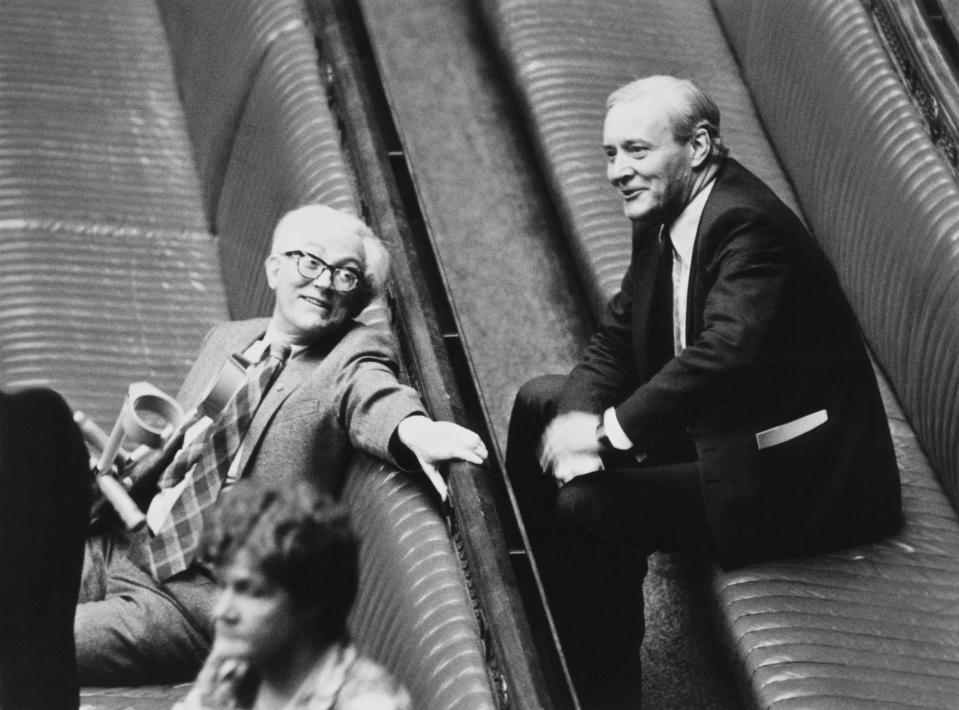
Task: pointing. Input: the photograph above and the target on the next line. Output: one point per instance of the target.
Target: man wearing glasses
(145, 604)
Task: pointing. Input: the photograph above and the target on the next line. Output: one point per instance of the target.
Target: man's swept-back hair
(317, 218)
(296, 536)
(690, 108)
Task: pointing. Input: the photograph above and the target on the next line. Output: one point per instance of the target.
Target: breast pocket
(784, 433)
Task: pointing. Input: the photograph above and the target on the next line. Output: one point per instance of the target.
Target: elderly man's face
(307, 309)
(653, 173)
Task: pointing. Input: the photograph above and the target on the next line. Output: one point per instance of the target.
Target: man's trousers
(131, 629)
(590, 539)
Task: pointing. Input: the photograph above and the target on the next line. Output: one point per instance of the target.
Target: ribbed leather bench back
(877, 193)
(89, 308)
(217, 47)
(413, 612)
(91, 124)
(566, 57)
(107, 271)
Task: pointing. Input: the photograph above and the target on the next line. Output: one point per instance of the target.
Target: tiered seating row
(89, 307)
(107, 270)
(91, 123)
(140, 180)
(886, 208)
(432, 645)
(868, 627)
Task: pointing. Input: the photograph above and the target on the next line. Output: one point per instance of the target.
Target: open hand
(434, 443)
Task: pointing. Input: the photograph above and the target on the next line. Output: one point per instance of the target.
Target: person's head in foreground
(286, 563)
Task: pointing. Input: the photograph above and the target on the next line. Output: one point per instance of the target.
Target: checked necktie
(175, 544)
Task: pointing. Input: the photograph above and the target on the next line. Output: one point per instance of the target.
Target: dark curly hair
(297, 537)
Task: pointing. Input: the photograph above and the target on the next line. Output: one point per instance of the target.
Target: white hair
(689, 107)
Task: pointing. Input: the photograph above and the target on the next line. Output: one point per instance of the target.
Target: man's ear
(272, 268)
(700, 146)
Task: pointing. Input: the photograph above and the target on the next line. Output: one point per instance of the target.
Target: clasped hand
(569, 446)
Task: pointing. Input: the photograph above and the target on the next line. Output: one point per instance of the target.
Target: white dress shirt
(682, 233)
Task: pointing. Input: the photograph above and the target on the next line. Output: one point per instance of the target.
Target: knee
(541, 390)
(134, 639)
(533, 408)
(577, 509)
(537, 399)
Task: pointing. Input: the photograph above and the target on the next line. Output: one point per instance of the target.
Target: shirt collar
(272, 335)
(683, 230)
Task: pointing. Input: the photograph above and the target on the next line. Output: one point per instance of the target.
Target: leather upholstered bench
(875, 626)
(811, 103)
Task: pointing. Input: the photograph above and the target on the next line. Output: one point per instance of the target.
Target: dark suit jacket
(770, 338)
(338, 395)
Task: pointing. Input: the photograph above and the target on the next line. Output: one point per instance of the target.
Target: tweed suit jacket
(770, 338)
(338, 395)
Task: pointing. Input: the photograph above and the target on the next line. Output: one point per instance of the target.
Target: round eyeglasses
(342, 278)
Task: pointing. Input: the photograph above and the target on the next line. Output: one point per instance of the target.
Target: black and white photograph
(479, 354)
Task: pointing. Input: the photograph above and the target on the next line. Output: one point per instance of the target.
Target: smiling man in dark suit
(726, 405)
(325, 387)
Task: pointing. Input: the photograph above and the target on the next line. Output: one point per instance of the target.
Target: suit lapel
(717, 202)
(223, 342)
(296, 372)
(695, 295)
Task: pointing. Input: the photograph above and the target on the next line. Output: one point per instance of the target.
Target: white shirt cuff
(614, 432)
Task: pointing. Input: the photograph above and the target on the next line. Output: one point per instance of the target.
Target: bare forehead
(334, 243)
(644, 118)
